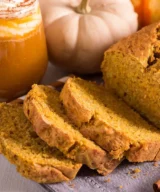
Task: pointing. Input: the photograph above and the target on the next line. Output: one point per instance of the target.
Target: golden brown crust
(42, 174)
(157, 157)
(36, 172)
(85, 152)
(139, 45)
(144, 152)
(94, 127)
(47, 131)
(73, 107)
(115, 142)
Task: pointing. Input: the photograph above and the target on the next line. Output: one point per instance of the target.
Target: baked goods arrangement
(51, 134)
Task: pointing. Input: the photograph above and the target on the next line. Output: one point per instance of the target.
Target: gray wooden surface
(121, 179)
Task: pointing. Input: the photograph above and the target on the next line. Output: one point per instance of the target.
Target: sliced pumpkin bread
(43, 108)
(108, 121)
(32, 156)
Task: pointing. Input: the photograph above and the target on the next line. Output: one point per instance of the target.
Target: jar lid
(17, 8)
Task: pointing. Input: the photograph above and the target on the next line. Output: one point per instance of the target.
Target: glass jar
(23, 52)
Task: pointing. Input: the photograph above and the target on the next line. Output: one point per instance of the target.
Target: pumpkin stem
(84, 7)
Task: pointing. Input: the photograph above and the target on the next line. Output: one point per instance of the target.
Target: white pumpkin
(78, 31)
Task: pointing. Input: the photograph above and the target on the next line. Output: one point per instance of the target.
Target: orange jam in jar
(23, 52)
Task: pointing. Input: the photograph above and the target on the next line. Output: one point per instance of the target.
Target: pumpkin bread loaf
(43, 108)
(131, 68)
(32, 156)
(108, 121)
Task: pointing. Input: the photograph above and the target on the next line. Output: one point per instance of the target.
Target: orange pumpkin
(148, 11)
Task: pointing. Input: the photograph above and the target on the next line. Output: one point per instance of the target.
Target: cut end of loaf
(131, 69)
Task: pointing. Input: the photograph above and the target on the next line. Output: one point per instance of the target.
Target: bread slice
(131, 68)
(32, 156)
(109, 122)
(43, 108)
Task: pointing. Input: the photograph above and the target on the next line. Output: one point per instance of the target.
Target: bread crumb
(107, 180)
(155, 164)
(121, 186)
(137, 170)
(133, 172)
(134, 176)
